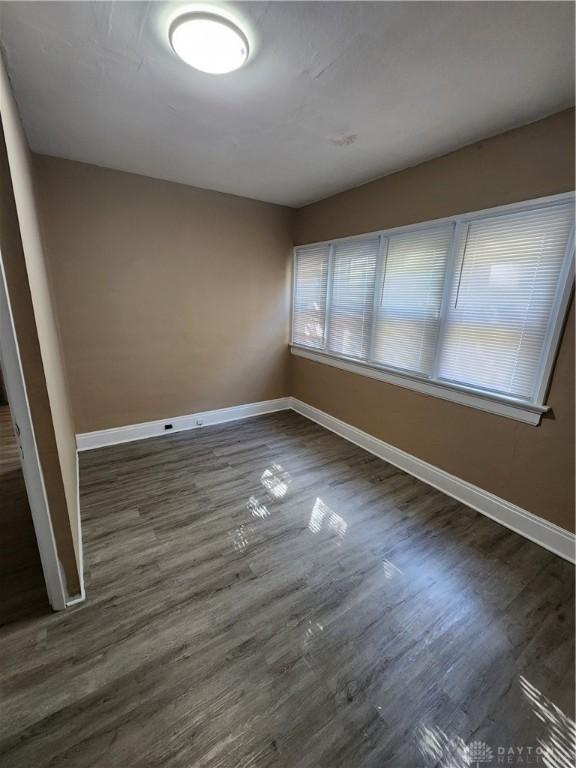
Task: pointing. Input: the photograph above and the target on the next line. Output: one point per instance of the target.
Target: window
(501, 300)
(469, 304)
(352, 296)
(310, 284)
(408, 313)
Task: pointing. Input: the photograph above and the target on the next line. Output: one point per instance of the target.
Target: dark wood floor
(266, 594)
(22, 589)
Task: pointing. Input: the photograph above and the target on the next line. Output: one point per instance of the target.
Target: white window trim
(503, 406)
(520, 410)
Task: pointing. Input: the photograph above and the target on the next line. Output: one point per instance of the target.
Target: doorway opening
(22, 587)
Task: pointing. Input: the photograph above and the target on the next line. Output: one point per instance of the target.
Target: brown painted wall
(19, 159)
(171, 299)
(529, 466)
(20, 297)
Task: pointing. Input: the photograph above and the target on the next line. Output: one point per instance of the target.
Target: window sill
(501, 406)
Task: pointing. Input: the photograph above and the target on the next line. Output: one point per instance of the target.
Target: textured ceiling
(335, 94)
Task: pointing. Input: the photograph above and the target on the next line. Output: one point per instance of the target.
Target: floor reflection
(276, 480)
(390, 569)
(559, 744)
(256, 508)
(555, 749)
(313, 630)
(440, 749)
(324, 517)
(240, 537)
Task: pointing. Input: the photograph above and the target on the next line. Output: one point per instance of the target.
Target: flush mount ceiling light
(209, 43)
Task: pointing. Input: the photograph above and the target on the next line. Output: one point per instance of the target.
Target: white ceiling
(335, 93)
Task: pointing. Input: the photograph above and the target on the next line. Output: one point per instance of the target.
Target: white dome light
(209, 43)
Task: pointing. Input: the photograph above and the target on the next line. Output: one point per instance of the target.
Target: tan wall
(37, 338)
(171, 299)
(174, 300)
(530, 466)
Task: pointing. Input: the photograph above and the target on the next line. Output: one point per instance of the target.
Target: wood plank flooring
(267, 594)
(22, 589)
(9, 452)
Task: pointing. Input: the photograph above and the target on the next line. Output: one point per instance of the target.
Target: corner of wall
(20, 164)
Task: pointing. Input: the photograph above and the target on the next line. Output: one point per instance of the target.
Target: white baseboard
(75, 599)
(103, 437)
(532, 527)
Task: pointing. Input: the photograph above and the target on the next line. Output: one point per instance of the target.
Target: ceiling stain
(344, 141)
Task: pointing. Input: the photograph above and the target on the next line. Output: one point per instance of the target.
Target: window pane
(501, 299)
(310, 283)
(352, 296)
(408, 315)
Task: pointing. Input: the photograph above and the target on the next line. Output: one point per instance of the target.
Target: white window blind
(502, 296)
(471, 303)
(408, 313)
(310, 286)
(352, 296)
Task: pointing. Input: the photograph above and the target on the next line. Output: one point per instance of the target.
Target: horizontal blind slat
(406, 326)
(497, 315)
(352, 296)
(310, 287)
(501, 299)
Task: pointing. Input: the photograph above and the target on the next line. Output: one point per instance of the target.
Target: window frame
(529, 411)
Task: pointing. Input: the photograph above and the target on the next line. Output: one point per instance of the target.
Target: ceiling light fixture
(209, 43)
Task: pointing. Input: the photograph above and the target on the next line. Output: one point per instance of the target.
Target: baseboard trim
(75, 599)
(532, 527)
(89, 440)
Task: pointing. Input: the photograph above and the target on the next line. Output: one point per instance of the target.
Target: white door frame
(29, 458)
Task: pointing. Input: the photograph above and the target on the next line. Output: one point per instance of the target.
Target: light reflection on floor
(440, 749)
(240, 537)
(437, 747)
(313, 630)
(390, 569)
(324, 517)
(559, 744)
(276, 480)
(256, 508)
(556, 749)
